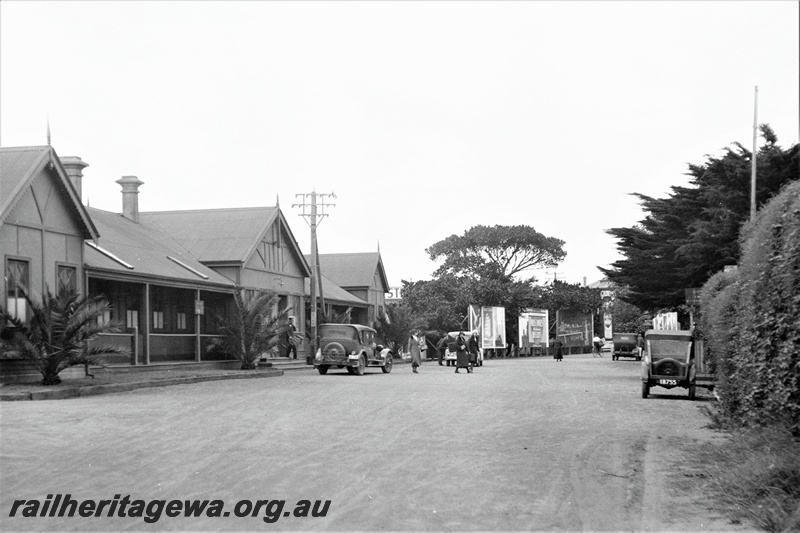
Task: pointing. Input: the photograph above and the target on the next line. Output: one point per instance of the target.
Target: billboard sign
(533, 328)
(574, 327)
(493, 330)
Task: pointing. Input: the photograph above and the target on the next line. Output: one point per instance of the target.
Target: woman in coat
(473, 346)
(557, 353)
(462, 356)
(416, 353)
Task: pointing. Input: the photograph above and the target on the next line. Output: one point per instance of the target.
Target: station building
(169, 276)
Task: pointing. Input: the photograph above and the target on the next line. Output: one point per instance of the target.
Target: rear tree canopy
(497, 252)
(694, 232)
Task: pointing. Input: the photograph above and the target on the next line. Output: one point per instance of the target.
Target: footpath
(109, 381)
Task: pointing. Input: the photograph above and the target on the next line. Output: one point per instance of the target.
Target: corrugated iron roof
(335, 294)
(215, 235)
(148, 249)
(19, 166)
(352, 269)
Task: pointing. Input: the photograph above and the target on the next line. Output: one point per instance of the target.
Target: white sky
(425, 118)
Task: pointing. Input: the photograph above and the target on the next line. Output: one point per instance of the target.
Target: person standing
(290, 333)
(473, 347)
(639, 346)
(416, 354)
(558, 354)
(462, 356)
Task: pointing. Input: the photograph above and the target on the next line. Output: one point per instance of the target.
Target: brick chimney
(74, 167)
(130, 197)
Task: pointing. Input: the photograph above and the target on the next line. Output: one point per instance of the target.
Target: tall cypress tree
(694, 232)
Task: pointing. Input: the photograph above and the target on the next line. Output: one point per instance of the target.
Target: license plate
(667, 381)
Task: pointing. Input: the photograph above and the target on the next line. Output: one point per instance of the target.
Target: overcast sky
(425, 118)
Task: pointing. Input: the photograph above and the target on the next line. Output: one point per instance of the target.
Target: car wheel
(645, 389)
(322, 369)
(362, 364)
(387, 366)
(692, 391)
(351, 370)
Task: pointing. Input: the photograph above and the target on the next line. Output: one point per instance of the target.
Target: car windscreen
(672, 348)
(338, 332)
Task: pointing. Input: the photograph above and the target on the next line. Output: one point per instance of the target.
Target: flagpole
(753, 160)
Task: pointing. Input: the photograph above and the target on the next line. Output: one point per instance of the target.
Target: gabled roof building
(363, 276)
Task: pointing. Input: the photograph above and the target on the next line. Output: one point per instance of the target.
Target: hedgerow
(751, 319)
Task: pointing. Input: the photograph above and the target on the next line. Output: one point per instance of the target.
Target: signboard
(574, 327)
(493, 330)
(393, 294)
(533, 328)
(475, 318)
(608, 330)
(199, 307)
(692, 296)
(666, 321)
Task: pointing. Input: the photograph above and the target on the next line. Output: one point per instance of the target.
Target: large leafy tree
(496, 252)
(694, 232)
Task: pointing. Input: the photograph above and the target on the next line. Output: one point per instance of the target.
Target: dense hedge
(751, 319)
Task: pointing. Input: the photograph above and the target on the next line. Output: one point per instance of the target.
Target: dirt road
(519, 445)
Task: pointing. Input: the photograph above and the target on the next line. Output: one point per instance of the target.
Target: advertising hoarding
(533, 328)
(493, 330)
(574, 328)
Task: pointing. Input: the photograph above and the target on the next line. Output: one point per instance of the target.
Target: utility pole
(753, 161)
(313, 206)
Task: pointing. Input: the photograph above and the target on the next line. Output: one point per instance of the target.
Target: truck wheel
(362, 364)
(387, 366)
(645, 389)
(322, 369)
(692, 391)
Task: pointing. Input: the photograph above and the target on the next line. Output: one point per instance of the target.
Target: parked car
(350, 346)
(450, 350)
(625, 346)
(668, 361)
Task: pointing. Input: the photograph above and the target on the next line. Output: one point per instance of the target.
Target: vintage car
(625, 346)
(450, 348)
(350, 346)
(668, 361)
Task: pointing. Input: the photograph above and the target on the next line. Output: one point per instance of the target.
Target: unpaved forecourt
(519, 445)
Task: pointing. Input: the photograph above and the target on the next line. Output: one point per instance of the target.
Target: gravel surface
(519, 445)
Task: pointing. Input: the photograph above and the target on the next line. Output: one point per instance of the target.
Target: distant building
(363, 276)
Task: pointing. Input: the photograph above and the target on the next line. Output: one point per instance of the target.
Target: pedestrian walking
(462, 356)
(557, 350)
(597, 346)
(639, 346)
(473, 346)
(416, 353)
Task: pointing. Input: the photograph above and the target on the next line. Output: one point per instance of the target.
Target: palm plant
(58, 333)
(397, 329)
(254, 328)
